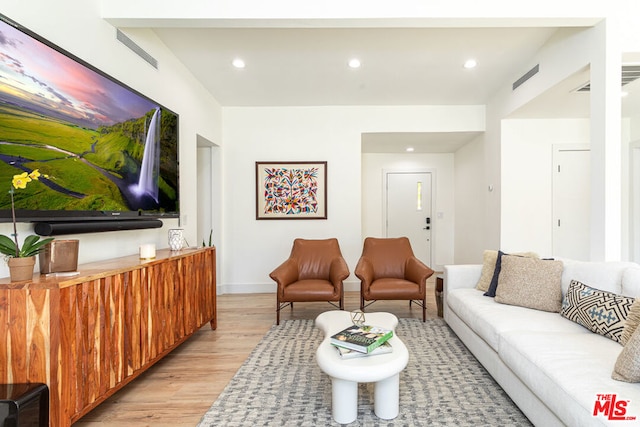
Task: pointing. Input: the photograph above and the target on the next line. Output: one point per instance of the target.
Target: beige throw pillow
(530, 282)
(627, 366)
(489, 259)
(633, 319)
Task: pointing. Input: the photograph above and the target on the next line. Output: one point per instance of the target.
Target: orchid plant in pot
(21, 259)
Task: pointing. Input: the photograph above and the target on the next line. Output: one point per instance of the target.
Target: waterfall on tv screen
(148, 181)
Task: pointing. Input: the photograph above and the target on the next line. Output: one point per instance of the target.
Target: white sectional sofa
(552, 368)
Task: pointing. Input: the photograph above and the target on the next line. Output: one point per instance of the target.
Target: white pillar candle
(147, 251)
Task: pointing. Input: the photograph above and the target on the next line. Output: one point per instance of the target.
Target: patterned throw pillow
(602, 312)
(627, 366)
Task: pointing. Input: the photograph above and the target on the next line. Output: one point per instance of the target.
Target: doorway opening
(209, 190)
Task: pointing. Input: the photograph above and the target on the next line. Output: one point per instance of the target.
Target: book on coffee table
(347, 353)
(362, 338)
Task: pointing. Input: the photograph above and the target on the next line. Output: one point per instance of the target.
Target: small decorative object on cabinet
(21, 268)
(147, 251)
(59, 256)
(176, 239)
(32, 245)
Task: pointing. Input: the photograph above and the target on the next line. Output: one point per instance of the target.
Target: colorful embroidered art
(291, 190)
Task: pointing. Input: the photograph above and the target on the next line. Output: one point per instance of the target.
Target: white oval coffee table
(383, 369)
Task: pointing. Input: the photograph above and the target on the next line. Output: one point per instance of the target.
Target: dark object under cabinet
(24, 405)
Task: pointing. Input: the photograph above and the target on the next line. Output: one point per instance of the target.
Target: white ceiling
(421, 142)
(400, 66)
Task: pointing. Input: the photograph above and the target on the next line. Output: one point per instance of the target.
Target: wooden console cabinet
(88, 335)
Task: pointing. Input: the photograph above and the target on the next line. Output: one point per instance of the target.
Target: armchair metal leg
(280, 306)
(424, 309)
(423, 304)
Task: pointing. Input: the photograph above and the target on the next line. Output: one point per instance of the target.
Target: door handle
(427, 228)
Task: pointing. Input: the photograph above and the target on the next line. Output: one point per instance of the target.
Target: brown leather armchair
(314, 271)
(388, 270)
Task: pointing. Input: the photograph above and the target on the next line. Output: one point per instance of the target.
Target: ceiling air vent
(136, 49)
(629, 73)
(532, 72)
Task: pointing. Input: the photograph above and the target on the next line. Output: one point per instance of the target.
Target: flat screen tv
(103, 150)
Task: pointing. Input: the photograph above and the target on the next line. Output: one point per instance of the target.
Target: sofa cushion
(602, 312)
(489, 319)
(606, 275)
(489, 259)
(567, 371)
(631, 282)
(530, 282)
(627, 367)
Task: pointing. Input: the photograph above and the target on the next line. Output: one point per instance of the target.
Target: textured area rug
(443, 384)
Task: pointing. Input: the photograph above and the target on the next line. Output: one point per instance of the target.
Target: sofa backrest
(631, 281)
(607, 276)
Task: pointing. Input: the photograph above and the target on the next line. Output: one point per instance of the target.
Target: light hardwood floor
(179, 389)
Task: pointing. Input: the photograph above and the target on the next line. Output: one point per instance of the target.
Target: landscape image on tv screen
(98, 145)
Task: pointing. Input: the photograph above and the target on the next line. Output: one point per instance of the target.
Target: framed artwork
(291, 190)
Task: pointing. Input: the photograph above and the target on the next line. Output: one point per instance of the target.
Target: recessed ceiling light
(354, 63)
(470, 63)
(238, 63)
(409, 149)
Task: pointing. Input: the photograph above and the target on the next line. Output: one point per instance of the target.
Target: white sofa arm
(461, 276)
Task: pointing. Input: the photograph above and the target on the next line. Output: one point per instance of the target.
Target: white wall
(441, 166)
(568, 52)
(563, 55)
(253, 248)
(471, 192)
(527, 163)
(76, 26)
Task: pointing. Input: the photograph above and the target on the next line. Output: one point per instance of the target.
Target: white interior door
(408, 210)
(572, 204)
